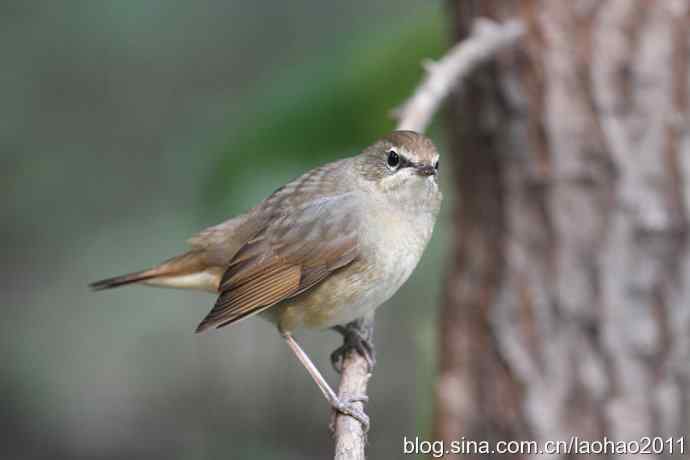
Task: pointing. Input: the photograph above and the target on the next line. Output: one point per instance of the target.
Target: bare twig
(350, 437)
(487, 39)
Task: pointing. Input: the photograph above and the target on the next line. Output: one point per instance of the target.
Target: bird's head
(404, 167)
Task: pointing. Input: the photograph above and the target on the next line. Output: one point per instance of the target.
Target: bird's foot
(346, 406)
(352, 340)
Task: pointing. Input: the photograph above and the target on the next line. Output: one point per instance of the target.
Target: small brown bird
(321, 251)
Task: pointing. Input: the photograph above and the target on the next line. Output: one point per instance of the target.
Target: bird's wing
(300, 245)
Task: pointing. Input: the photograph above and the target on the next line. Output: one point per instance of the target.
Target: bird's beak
(425, 170)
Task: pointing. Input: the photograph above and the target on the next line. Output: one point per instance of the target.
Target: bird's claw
(352, 340)
(346, 406)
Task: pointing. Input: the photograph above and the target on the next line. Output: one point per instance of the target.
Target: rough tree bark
(567, 305)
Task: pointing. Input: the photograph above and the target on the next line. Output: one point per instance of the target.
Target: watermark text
(573, 446)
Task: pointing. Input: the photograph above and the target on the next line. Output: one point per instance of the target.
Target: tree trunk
(567, 305)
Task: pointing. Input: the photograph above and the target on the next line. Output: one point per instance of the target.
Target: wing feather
(299, 247)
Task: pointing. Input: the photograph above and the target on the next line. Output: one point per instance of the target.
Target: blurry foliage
(329, 106)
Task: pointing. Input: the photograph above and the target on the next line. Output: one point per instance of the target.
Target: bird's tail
(123, 280)
(188, 270)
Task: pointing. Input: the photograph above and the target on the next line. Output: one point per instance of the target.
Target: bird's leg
(344, 406)
(354, 338)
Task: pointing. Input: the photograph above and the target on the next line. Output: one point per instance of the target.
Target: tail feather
(176, 272)
(123, 280)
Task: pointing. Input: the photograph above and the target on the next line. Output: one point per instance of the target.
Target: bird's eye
(393, 159)
(436, 165)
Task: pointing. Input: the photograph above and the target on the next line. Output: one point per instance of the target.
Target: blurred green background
(128, 126)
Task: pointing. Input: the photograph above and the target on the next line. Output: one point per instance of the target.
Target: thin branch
(350, 437)
(487, 39)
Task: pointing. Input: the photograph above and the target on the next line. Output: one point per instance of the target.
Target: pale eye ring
(393, 160)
